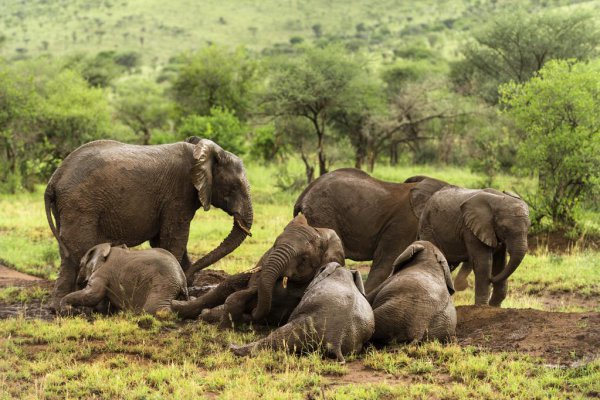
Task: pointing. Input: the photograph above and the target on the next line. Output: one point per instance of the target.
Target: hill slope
(160, 29)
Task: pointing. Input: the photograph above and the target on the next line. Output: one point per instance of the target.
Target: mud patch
(206, 280)
(10, 277)
(559, 338)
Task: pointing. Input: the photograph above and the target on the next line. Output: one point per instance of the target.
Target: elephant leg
(384, 257)
(173, 237)
(212, 315)
(291, 337)
(186, 263)
(482, 266)
(65, 282)
(443, 324)
(88, 297)
(236, 305)
(214, 298)
(460, 281)
(500, 289)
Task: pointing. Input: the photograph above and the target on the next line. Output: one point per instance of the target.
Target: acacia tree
(558, 116)
(141, 105)
(215, 77)
(315, 86)
(516, 45)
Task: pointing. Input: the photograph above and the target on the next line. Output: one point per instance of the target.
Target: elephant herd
(108, 196)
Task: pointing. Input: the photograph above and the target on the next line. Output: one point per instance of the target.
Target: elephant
(272, 291)
(481, 227)
(375, 219)
(110, 192)
(414, 303)
(333, 315)
(141, 281)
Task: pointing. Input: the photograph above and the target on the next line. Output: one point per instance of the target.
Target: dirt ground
(559, 338)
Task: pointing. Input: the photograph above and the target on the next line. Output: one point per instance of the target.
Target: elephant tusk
(284, 283)
(242, 227)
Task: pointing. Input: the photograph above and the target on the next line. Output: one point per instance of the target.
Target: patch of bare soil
(559, 338)
(10, 277)
(35, 309)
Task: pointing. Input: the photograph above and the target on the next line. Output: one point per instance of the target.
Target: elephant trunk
(516, 248)
(272, 270)
(242, 222)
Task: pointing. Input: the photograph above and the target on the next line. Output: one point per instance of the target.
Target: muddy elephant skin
(333, 316)
(136, 280)
(271, 293)
(479, 227)
(110, 192)
(414, 304)
(376, 220)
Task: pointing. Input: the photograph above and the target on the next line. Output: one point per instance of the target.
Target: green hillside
(160, 29)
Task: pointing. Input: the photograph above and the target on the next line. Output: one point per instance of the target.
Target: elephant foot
(496, 302)
(460, 284)
(241, 351)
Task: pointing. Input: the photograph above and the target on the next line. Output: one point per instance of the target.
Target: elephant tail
(51, 209)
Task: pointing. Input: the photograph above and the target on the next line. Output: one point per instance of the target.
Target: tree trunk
(145, 136)
(394, 153)
(322, 159)
(310, 170)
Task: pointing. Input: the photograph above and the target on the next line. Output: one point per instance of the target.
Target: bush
(558, 114)
(221, 126)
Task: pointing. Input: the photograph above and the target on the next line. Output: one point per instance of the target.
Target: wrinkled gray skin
(141, 281)
(333, 315)
(481, 227)
(110, 192)
(375, 219)
(414, 303)
(297, 254)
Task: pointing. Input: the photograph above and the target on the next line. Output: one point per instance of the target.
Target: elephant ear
(478, 216)
(406, 256)
(446, 268)
(331, 247)
(206, 154)
(92, 260)
(358, 281)
(422, 192)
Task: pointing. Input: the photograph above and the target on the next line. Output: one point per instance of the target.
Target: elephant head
(220, 179)
(495, 217)
(426, 250)
(93, 259)
(298, 252)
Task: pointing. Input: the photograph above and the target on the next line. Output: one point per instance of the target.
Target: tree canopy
(558, 116)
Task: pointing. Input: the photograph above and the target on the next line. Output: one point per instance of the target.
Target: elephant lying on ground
(478, 226)
(110, 192)
(375, 219)
(333, 315)
(141, 281)
(272, 292)
(414, 303)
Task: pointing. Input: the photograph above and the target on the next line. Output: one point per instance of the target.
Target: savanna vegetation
(478, 93)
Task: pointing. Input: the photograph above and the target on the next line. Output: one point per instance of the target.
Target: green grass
(114, 358)
(127, 356)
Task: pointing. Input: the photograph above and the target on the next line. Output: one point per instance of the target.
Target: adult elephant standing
(478, 226)
(376, 220)
(110, 192)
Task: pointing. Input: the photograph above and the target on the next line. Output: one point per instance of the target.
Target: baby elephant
(333, 315)
(413, 304)
(142, 280)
